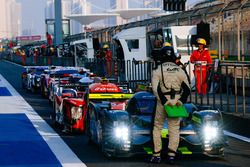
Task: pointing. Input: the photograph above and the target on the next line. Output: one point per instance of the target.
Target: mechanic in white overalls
(170, 86)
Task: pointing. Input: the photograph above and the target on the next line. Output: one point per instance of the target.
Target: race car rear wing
(110, 96)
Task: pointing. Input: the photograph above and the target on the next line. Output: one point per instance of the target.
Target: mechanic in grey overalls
(170, 86)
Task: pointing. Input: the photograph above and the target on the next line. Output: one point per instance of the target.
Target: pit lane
(237, 154)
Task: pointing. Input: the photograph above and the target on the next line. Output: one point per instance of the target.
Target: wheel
(33, 89)
(88, 132)
(103, 144)
(23, 84)
(53, 113)
(42, 89)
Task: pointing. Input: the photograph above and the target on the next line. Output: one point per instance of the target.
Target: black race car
(126, 132)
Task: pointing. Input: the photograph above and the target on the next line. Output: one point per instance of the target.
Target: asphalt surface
(236, 154)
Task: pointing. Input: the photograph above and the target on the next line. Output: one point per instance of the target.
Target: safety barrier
(133, 72)
(40, 60)
(228, 86)
(228, 83)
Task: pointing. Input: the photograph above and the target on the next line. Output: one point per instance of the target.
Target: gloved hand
(174, 102)
(171, 102)
(179, 103)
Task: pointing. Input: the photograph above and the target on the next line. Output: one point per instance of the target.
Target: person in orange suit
(108, 58)
(49, 39)
(202, 60)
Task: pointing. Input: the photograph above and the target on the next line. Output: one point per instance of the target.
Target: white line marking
(16, 104)
(243, 138)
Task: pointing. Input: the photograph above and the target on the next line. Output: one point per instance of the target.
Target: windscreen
(61, 73)
(39, 71)
(168, 36)
(182, 45)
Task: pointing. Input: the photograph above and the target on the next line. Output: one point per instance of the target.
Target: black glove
(161, 95)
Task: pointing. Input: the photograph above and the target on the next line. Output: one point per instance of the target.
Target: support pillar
(58, 22)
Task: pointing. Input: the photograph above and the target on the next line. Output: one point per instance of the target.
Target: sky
(33, 14)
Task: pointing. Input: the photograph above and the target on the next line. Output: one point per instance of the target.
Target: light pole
(58, 22)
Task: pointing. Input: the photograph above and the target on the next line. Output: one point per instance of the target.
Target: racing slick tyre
(103, 145)
(43, 92)
(23, 85)
(33, 89)
(53, 116)
(88, 131)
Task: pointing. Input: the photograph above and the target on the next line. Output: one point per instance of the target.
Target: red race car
(69, 107)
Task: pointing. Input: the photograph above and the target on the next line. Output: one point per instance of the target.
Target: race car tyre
(53, 113)
(88, 132)
(50, 102)
(103, 145)
(33, 89)
(23, 86)
(23, 83)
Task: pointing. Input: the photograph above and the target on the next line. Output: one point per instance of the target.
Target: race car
(31, 77)
(52, 76)
(57, 75)
(69, 106)
(45, 79)
(125, 131)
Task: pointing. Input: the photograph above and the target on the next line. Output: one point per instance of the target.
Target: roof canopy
(131, 33)
(90, 18)
(134, 12)
(124, 13)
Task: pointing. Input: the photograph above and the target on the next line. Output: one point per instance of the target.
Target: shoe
(170, 160)
(155, 159)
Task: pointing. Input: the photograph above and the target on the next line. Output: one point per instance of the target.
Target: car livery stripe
(196, 119)
(184, 150)
(148, 150)
(110, 96)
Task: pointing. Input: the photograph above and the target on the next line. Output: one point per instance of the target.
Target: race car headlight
(38, 81)
(122, 133)
(76, 112)
(210, 132)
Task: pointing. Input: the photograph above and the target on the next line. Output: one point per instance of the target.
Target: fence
(134, 72)
(228, 83)
(229, 87)
(40, 60)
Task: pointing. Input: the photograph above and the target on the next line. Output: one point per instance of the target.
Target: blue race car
(128, 131)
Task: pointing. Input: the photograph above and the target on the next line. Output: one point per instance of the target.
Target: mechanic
(49, 39)
(170, 86)
(108, 58)
(156, 54)
(202, 59)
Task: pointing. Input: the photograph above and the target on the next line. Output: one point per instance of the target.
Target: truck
(138, 44)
